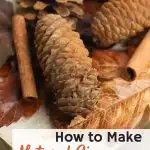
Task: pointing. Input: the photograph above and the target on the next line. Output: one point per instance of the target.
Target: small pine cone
(31, 9)
(119, 19)
(66, 65)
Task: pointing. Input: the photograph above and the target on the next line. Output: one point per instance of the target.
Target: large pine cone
(119, 19)
(66, 65)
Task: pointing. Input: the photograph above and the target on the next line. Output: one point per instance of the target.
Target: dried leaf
(39, 5)
(120, 105)
(131, 50)
(77, 122)
(132, 43)
(12, 115)
(29, 108)
(144, 120)
(109, 63)
(91, 7)
(26, 3)
(10, 109)
(5, 70)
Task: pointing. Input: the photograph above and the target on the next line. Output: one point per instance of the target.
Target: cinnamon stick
(28, 85)
(139, 60)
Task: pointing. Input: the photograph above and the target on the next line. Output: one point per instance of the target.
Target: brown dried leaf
(10, 109)
(131, 50)
(133, 42)
(77, 122)
(91, 7)
(5, 70)
(145, 118)
(26, 3)
(29, 108)
(14, 113)
(109, 63)
(121, 104)
(39, 5)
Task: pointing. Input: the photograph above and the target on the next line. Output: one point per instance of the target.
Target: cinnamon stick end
(129, 74)
(30, 99)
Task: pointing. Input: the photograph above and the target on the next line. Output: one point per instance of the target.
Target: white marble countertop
(40, 120)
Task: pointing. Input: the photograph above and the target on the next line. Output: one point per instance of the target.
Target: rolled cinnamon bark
(24, 63)
(139, 60)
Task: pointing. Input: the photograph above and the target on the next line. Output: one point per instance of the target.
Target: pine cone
(30, 9)
(66, 65)
(119, 19)
(75, 1)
